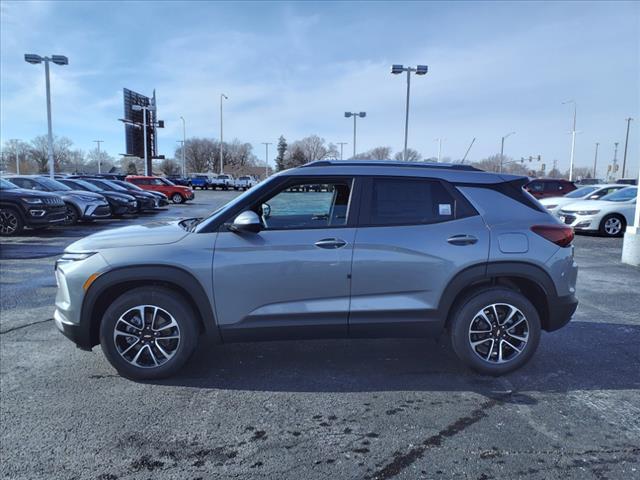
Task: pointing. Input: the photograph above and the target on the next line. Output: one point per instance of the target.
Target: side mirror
(246, 222)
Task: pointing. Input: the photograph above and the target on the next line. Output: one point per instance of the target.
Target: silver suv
(330, 249)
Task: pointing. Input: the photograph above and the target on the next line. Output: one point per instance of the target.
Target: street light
(266, 159)
(144, 109)
(419, 70)
(439, 140)
(573, 138)
(354, 115)
(58, 60)
(222, 95)
(184, 146)
(99, 157)
(502, 148)
(342, 144)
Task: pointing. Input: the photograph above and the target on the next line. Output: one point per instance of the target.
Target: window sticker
(444, 208)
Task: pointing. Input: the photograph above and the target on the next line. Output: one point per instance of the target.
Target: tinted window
(536, 186)
(307, 205)
(400, 201)
(5, 185)
(28, 184)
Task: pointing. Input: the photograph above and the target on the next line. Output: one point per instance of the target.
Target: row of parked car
(206, 181)
(604, 209)
(37, 202)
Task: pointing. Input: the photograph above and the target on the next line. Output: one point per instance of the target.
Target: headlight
(550, 207)
(32, 201)
(587, 212)
(88, 199)
(74, 257)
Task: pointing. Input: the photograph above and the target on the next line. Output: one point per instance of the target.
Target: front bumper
(579, 222)
(41, 216)
(96, 210)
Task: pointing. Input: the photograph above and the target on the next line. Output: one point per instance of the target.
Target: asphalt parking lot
(365, 409)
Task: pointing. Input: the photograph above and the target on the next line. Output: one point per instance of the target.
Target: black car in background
(179, 180)
(121, 203)
(164, 200)
(145, 200)
(21, 208)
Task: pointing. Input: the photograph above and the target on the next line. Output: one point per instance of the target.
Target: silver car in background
(330, 249)
(587, 192)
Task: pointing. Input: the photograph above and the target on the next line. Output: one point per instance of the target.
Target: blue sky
(294, 68)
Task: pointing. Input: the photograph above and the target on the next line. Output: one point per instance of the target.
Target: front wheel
(10, 222)
(612, 225)
(495, 331)
(148, 333)
(71, 215)
(177, 198)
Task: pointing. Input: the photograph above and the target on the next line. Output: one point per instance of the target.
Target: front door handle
(330, 243)
(462, 240)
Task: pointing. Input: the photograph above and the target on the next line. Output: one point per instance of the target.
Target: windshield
(53, 184)
(127, 185)
(6, 185)
(581, 192)
(622, 195)
(87, 185)
(166, 182)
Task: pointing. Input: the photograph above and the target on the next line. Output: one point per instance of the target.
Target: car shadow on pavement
(582, 356)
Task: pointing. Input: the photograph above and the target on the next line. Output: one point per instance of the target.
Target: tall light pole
(626, 143)
(595, 160)
(419, 70)
(573, 138)
(58, 60)
(342, 144)
(144, 109)
(439, 140)
(266, 159)
(184, 146)
(502, 148)
(99, 156)
(222, 95)
(354, 115)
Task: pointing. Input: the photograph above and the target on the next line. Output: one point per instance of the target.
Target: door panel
(281, 278)
(400, 272)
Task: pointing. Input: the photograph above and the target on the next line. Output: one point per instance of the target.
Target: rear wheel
(10, 222)
(177, 198)
(148, 333)
(612, 225)
(495, 331)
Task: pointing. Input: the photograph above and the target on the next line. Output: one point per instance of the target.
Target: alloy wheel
(613, 226)
(499, 333)
(70, 216)
(8, 222)
(146, 336)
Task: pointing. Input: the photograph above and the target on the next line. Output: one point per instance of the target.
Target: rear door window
(411, 201)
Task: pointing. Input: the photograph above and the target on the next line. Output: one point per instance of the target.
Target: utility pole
(626, 143)
(419, 70)
(266, 159)
(342, 144)
(354, 115)
(184, 146)
(615, 158)
(99, 155)
(502, 148)
(573, 139)
(595, 160)
(439, 140)
(222, 95)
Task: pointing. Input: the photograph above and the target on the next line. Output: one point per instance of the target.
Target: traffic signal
(543, 167)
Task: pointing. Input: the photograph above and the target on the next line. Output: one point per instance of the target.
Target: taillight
(561, 235)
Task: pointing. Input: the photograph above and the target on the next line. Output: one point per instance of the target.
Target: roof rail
(390, 163)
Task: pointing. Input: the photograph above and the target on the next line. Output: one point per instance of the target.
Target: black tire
(467, 311)
(11, 222)
(612, 225)
(177, 198)
(166, 300)
(72, 215)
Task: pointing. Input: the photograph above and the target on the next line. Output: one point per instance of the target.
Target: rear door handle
(330, 243)
(462, 240)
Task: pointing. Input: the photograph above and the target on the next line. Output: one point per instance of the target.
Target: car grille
(55, 201)
(569, 219)
(102, 210)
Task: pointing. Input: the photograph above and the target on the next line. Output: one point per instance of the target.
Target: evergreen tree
(282, 149)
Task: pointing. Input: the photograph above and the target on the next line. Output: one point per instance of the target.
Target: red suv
(549, 187)
(176, 193)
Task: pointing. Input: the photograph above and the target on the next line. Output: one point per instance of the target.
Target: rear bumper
(561, 309)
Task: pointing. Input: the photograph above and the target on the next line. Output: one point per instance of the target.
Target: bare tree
(412, 155)
(106, 161)
(16, 149)
(169, 166)
(40, 156)
(200, 154)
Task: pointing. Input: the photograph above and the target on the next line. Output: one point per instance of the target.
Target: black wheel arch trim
(184, 281)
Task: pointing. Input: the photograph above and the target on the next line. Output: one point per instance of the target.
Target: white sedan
(609, 216)
(588, 192)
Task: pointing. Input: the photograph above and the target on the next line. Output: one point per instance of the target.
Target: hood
(155, 233)
(119, 195)
(588, 205)
(557, 200)
(84, 193)
(23, 192)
